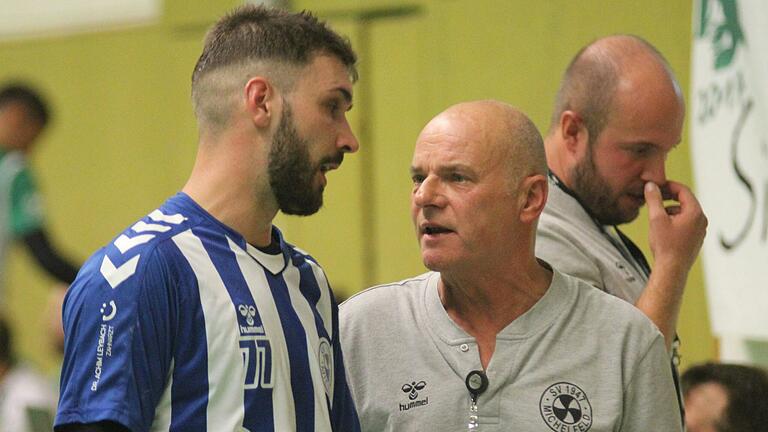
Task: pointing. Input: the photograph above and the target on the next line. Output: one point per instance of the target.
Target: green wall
(124, 136)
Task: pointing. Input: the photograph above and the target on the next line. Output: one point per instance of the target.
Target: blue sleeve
(343, 414)
(119, 323)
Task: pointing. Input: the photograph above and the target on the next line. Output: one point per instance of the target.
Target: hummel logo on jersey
(413, 390)
(115, 275)
(249, 312)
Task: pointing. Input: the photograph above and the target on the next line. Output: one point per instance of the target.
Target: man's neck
(235, 190)
(239, 209)
(484, 305)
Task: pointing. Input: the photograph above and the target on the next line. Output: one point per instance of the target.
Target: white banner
(729, 137)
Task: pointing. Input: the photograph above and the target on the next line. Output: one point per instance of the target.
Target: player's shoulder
(381, 297)
(562, 212)
(141, 244)
(609, 311)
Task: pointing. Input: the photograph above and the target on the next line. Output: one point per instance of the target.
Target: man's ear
(261, 100)
(534, 190)
(574, 134)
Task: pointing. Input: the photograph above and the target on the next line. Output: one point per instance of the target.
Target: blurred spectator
(23, 116)
(27, 399)
(725, 398)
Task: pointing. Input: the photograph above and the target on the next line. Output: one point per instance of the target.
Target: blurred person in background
(24, 114)
(27, 398)
(725, 398)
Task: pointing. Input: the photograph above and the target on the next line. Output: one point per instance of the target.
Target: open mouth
(432, 229)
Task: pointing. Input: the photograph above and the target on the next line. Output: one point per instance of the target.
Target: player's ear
(261, 98)
(534, 190)
(573, 132)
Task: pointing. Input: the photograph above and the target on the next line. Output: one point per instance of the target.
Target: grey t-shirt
(572, 242)
(578, 360)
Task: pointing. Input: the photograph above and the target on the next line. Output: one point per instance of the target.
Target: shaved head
(605, 68)
(479, 186)
(508, 135)
(618, 113)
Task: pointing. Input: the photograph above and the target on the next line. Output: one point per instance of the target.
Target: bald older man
(491, 337)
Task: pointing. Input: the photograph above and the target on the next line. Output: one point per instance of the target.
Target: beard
(596, 194)
(291, 171)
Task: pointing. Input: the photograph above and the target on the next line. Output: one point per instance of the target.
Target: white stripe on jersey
(307, 318)
(324, 309)
(225, 364)
(125, 243)
(142, 226)
(283, 408)
(162, 420)
(159, 216)
(324, 304)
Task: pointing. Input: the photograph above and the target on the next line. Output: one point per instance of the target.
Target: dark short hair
(32, 100)
(252, 34)
(747, 390)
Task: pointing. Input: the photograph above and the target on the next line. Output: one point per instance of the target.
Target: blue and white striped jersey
(181, 325)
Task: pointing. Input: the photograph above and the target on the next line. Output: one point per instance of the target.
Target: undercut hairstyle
(257, 40)
(589, 83)
(747, 391)
(32, 100)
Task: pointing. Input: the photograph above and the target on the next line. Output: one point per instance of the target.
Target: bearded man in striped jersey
(200, 316)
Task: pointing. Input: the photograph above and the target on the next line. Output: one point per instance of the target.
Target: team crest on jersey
(325, 357)
(565, 408)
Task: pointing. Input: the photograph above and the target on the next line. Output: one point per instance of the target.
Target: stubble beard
(596, 195)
